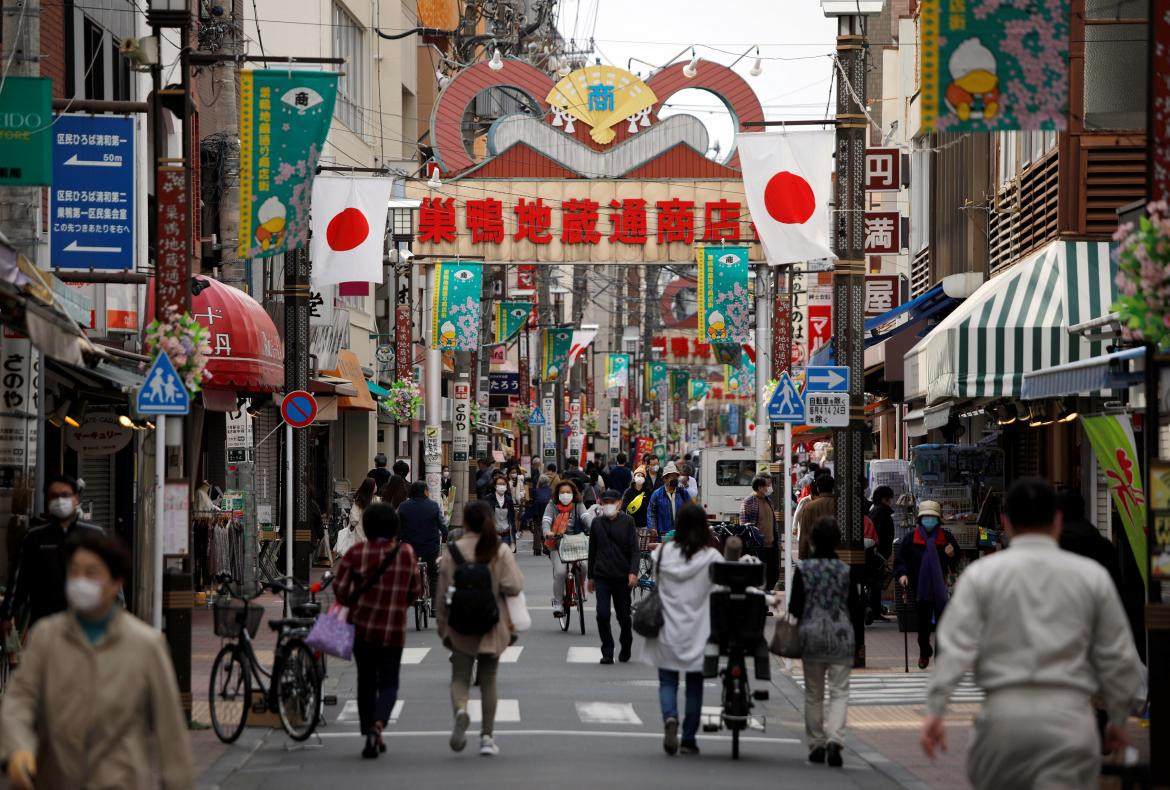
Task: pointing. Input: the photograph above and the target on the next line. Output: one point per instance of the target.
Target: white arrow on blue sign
(537, 417)
(786, 404)
(834, 378)
(163, 391)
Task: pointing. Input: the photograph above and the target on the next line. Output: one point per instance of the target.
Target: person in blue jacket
(666, 501)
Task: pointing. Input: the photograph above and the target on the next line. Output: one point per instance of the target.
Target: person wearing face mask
(666, 501)
(446, 484)
(504, 509)
(636, 500)
(95, 702)
(757, 511)
(653, 471)
(565, 515)
(37, 579)
(613, 572)
(924, 558)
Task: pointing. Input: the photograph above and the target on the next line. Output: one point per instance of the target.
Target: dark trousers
(617, 590)
(770, 556)
(432, 576)
(925, 615)
(377, 681)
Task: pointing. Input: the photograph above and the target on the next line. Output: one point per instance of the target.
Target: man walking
(1044, 630)
(665, 501)
(757, 511)
(424, 528)
(619, 475)
(380, 473)
(822, 505)
(613, 572)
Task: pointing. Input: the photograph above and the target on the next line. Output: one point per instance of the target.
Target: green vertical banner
(26, 130)
(655, 379)
(1111, 437)
(455, 313)
(678, 383)
(994, 66)
(510, 319)
(698, 389)
(284, 120)
(724, 300)
(554, 352)
(740, 379)
(617, 370)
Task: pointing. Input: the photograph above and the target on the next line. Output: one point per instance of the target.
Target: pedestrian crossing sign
(163, 390)
(537, 417)
(786, 405)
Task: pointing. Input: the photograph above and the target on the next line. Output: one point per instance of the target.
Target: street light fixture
(691, 69)
(169, 13)
(497, 61)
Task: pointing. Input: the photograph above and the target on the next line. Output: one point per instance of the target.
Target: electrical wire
(15, 38)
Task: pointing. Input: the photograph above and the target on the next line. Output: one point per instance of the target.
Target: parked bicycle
(647, 543)
(291, 688)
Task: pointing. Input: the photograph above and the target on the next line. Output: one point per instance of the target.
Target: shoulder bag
(332, 633)
(647, 617)
(786, 637)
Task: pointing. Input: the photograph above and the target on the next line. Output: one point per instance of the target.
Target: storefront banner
(678, 383)
(1111, 437)
(617, 370)
(655, 380)
(455, 314)
(643, 446)
(740, 379)
(554, 352)
(26, 122)
(510, 319)
(284, 120)
(724, 300)
(698, 389)
(992, 66)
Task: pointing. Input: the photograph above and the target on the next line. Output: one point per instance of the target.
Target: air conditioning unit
(140, 51)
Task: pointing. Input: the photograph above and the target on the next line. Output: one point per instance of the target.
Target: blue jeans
(668, 697)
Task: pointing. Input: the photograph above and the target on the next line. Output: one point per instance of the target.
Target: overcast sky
(655, 31)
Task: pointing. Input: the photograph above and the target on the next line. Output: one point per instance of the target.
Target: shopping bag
(331, 634)
(786, 638)
(647, 618)
(518, 612)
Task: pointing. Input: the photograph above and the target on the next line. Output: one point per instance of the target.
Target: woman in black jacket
(613, 572)
(638, 488)
(503, 508)
(925, 557)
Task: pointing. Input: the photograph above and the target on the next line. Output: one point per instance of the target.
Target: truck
(725, 479)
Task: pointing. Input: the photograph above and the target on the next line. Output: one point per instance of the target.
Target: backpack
(472, 606)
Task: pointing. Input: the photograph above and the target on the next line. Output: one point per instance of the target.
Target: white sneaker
(487, 746)
(558, 612)
(459, 732)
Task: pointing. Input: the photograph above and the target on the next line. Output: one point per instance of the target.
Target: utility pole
(296, 377)
(849, 294)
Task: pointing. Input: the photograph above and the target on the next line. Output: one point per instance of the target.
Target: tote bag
(786, 638)
(647, 618)
(331, 634)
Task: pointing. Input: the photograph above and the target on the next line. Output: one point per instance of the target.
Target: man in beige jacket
(95, 702)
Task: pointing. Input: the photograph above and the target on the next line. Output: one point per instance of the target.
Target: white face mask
(768, 491)
(84, 595)
(653, 470)
(62, 507)
(609, 510)
(446, 475)
(501, 489)
(564, 497)
(639, 479)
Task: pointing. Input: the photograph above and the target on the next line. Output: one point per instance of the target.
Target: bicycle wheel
(580, 597)
(567, 603)
(229, 694)
(418, 614)
(298, 691)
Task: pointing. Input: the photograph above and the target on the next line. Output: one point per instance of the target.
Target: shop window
(93, 45)
(1116, 62)
(349, 43)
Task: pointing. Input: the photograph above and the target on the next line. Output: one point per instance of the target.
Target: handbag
(331, 634)
(786, 637)
(574, 547)
(635, 504)
(647, 618)
(518, 612)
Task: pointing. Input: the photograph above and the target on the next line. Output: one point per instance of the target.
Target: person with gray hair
(686, 479)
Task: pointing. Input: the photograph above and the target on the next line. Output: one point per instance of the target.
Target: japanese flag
(788, 181)
(349, 229)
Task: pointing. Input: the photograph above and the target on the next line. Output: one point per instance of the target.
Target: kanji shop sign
(402, 332)
(172, 244)
(883, 232)
(883, 169)
(556, 221)
(883, 293)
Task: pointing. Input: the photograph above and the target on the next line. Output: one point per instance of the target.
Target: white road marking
(511, 654)
(565, 733)
(349, 712)
(414, 655)
(584, 655)
(607, 713)
(507, 710)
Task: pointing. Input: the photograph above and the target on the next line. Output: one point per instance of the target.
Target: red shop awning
(247, 354)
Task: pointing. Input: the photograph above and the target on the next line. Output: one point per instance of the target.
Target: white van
(725, 479)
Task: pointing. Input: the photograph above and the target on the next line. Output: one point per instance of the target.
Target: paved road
(564, 720)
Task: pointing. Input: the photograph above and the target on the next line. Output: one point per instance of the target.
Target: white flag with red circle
(788, 181)
(349, 229)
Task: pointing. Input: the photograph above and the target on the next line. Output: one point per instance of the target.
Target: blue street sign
(163, 391)
(834, 378)
(733, 419)
(786, 404)
(537, 417)
(91, 206)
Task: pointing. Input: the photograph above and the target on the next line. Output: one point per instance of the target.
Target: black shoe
(607, 659)
(834, 754)
(817, 755)
(688, 747)
(670, 736)
(624, 656)
(923, 662)
(370, 751)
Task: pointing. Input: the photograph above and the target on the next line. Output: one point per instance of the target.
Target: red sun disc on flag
(347, 230)
(789, 198)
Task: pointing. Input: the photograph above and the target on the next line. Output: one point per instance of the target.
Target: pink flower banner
(994, 65)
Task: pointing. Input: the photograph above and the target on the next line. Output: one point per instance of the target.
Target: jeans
(377, 681)
(820, 730)
(461, 667)
(505, 537)
(668, 697)
(619, 591)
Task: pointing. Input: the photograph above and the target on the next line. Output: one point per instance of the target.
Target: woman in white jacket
(684, 585)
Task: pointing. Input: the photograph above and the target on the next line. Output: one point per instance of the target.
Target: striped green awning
(1017, 322)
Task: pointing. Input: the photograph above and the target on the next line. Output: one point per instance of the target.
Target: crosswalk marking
(899, 688)
(507, 710)
(714, 714)
(606, 713)
(583, 655)
(511, 654)
(349, 712)
(414, 655)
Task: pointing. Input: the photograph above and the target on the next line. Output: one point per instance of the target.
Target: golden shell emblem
(601, 96)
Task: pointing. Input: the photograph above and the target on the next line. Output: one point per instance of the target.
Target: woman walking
(636, 500)
(503, 508)
(479, 545)
(684, 585)
(925, 557)
(822, 599)
(565, 515)
(354, 534)
(378, 581)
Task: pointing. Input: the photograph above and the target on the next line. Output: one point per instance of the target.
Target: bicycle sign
(163, 391)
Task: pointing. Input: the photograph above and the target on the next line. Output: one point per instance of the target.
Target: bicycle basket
(645, 536)
(228, 618)
(574, 548)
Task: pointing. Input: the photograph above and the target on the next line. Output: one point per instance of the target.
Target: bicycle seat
(307, 610)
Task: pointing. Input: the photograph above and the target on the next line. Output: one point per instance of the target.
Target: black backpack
(472, 607)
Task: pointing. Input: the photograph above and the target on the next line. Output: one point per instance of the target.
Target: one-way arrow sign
(828, 379)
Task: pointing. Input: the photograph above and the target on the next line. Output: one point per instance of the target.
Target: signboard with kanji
(883, 232)
(883, 292)
(883, 169)
(461, 418)
(172, 243)
(826, 409)
(25, 113)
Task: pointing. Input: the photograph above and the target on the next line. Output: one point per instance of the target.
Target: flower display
(522, 413)
(404, 400)
(590, 422)
(186, 342)
(1143, 277)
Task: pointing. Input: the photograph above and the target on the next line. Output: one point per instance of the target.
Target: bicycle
(422, 604)
(292, 687)
(574, 595)
(647, 543)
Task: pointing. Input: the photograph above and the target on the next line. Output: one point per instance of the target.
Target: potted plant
(404, 400)
(1143, 277)
(186, 341)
